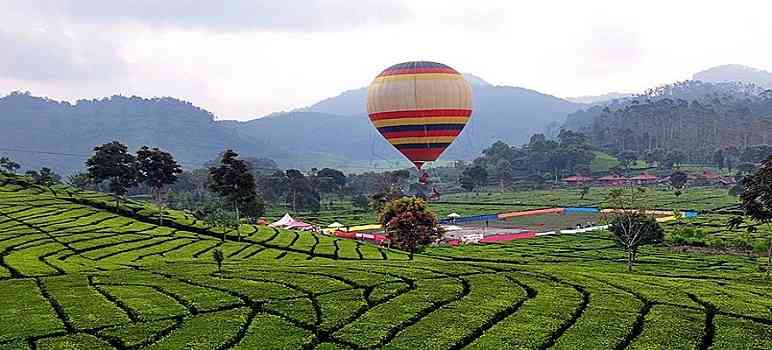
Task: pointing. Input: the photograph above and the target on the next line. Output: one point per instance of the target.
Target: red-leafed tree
(410, 224)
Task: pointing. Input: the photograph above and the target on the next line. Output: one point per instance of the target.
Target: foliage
(570, 153)
(631, 226)
(410, 224)
(473, 177)
(157, 169)
(692, 116)
(627, 157)
(233, 181)
(80, 180)
(44, 177)
(7, 164)
(330, 180)
(757, 200)
(360, 201)
(218, 258)
(112, 162)
(301, 192)
(216, 216)
(584, 192)
(678, 180)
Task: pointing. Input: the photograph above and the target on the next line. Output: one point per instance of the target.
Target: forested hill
(339, 126)
(303, 138)
(36, 123)
(692, 116)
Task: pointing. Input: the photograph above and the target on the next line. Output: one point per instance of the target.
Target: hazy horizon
(245, 59)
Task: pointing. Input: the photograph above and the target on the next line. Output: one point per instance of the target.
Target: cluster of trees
(44, 177)
(541, 158)
(221, 194)
(113, 164)
(8, 165)
(694, 117)
(757, 201)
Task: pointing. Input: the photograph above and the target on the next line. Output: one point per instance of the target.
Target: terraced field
(77, 274)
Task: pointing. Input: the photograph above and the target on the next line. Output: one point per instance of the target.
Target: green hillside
(77, 274)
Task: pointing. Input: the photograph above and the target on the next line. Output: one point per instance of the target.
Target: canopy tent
(299, 225)
(454, 215)
(335, 225)
(284, 221)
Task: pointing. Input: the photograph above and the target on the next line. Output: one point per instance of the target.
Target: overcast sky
(242, 59)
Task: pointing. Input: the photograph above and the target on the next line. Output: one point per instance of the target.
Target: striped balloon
(420, 108)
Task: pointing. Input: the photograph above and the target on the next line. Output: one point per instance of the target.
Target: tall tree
(302, 193)
(476, 175)
(157, 169)
(678, 180)
(504, 173)
(112, 162)
(360, 202)
(233, 181)
(410, 224)
(757, 201)
(630, 225)
(330, 180)
(9, 165)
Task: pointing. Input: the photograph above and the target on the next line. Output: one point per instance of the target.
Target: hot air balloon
(420, 108)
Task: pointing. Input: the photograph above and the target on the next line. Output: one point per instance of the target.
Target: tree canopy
(410, 224)
(112, 162)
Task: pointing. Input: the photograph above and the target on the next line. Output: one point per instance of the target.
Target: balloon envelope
(420, 108)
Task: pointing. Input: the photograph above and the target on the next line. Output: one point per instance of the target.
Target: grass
(77, 273)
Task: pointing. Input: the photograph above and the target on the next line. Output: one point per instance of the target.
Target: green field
(484, 202)
(77, 274)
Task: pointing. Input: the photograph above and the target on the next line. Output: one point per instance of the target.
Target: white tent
(335, 225)
(284, 221)
(454, 215)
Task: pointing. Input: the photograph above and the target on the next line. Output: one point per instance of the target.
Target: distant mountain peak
(475, 80)
(736, 72)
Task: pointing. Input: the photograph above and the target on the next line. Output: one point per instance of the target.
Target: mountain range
(335, 131)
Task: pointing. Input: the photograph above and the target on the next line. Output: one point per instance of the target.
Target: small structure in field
(577, 180)
(612, 180)
(644, 179)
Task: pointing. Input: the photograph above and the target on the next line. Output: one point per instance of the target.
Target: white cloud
(241, 60)
(237, 15)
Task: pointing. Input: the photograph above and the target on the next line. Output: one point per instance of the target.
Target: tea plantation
(76, 273)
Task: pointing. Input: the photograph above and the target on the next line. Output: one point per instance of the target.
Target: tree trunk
(630, 259)
(238, 224)
(769, 254)
(160, 208)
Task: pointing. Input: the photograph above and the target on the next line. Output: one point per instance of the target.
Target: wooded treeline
(694, 117)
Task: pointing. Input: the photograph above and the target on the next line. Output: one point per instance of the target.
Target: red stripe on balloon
(421, 113)
(422, 154)
(400, 71)
(428, 133)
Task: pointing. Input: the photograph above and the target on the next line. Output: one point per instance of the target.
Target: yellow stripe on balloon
(420, 76)
(420, 121)
(430, 139)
